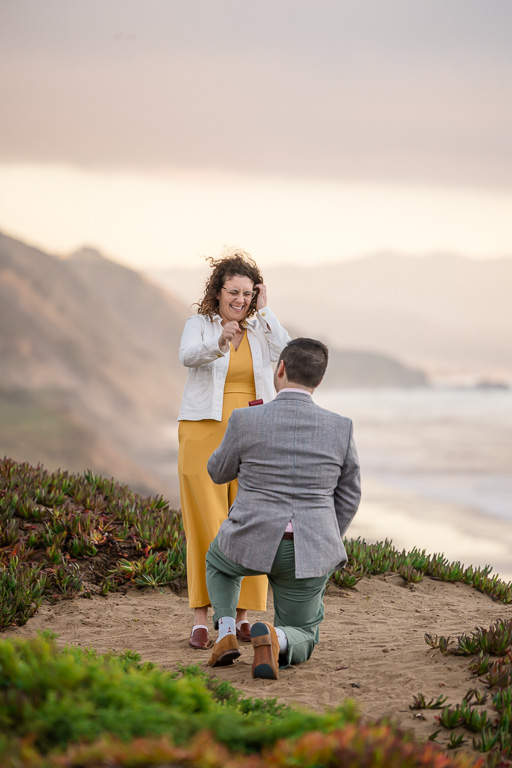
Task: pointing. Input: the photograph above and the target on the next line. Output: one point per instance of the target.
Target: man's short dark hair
(305, 361)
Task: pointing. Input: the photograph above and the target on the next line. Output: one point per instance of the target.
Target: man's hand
(261, 301)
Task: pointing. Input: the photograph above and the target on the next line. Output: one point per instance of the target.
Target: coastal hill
(89, 368)
(360, 369)
(90, 376)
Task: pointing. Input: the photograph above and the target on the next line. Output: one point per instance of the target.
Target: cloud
(354, 90)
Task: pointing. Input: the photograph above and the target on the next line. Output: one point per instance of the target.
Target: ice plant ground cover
(73, 707)
(62, 535)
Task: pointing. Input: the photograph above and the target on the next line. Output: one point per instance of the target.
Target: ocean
(443, 457)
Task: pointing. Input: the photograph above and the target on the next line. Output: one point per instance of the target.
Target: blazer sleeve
(195, 349)
(223, 464)
(348, 491)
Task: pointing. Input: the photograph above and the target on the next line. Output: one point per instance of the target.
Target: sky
(304, 131)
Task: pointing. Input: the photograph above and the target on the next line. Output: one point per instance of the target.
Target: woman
(228, 347)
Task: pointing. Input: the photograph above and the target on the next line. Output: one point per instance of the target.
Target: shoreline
(459, 532)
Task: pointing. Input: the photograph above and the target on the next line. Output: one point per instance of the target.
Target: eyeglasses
(234, 293)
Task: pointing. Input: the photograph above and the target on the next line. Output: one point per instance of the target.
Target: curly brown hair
(233, 263)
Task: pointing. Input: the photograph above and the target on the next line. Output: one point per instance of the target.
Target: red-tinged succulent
(494, 728)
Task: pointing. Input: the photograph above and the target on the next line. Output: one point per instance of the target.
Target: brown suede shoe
(224, 652)
(199, 638)
(266, 651)
(244, 633)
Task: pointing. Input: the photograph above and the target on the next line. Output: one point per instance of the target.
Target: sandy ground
(372, 646)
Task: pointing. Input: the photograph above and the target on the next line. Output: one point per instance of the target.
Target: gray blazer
(294, 461)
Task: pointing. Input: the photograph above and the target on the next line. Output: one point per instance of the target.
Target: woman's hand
(229, 331)
(261, 301)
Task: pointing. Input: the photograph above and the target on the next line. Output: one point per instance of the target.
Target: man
(298, 490)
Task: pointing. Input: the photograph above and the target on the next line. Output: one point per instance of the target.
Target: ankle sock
(199, 626)
(226, 627)
(283, 640)
(239, 623)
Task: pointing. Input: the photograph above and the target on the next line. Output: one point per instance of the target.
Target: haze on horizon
(301, 131)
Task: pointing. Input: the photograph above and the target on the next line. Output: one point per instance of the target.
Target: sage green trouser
(298, 603)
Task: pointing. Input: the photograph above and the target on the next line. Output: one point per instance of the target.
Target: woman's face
(235, 297)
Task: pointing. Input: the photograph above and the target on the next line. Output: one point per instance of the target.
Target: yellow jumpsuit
(205, 505)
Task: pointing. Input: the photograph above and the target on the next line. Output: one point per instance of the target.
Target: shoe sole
(226, 658)
(264, 666)
(264, 672)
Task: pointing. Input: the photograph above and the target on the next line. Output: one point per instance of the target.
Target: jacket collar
(294, 396)
(249, 323)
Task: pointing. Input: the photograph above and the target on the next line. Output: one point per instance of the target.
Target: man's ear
(281, 369)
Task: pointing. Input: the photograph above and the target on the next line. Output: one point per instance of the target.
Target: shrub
(57, 697)
(73, 707)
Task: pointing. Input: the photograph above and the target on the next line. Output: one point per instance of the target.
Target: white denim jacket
(208, 365)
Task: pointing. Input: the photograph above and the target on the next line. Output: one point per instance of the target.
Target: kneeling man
(298, 490)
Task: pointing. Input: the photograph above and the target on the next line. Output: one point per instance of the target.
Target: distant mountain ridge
(442, 313)
(360, 369)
